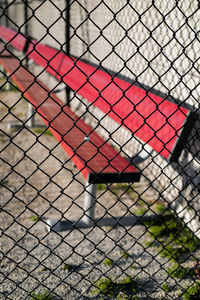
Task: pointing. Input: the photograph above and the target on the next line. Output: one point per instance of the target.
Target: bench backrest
(155, 120)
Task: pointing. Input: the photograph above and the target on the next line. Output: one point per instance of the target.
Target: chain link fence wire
(152, 46)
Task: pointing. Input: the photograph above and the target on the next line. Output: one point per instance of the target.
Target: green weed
(191, 293)
(34, 218)
(42, 131)
(173, 241)
(159, 208)
(20, 114)
(124, 188)
(166, 287)
(67, 267)
(101, 186)
(119, 188)
(141, 202)
(125, 254)
(140, 211)
(106, 288)
(12, 86)
(177, 271)
(42, 296)
(108, 262)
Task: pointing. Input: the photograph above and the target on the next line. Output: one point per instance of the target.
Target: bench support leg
(89, 204)
(88, 219)
(30, 116)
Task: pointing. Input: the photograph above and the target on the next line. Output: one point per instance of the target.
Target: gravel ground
(39, 180)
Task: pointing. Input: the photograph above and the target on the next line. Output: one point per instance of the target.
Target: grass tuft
(42, 296)
(108, 262)
(125, 254)
(159, 208)
(191, 292)
(42, 131)
(106, 288)
(175, 242)
(67, 267)
(166, 287)
(34, 218)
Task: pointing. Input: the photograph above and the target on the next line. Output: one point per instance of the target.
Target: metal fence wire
(99, 149)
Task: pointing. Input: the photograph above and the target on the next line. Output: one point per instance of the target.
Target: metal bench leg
(89, 204)
(86, 221)
(30, 116)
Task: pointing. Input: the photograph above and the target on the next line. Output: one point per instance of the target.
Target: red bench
(96, 159)
(156, 121)
(161, 124)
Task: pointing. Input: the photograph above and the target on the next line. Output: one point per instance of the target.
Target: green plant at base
(12, 85)
(42, 296)
(172, 238)
(177, 271)
(159, 208)
(141, 202)
(101, 186)
(67, 267)
(124, 188)
(125, 254)
(34, 218)
(42, 131)
(166, 287)
(191, 293)
(107, 288)
(141, 211)
(108, 262)
(173, 241)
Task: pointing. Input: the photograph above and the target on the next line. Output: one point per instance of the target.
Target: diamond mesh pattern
(152, 45)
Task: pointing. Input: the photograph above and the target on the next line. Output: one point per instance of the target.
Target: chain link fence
(90, 66)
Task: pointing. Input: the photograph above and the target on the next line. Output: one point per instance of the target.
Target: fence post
(30, 113)
(67, 42)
